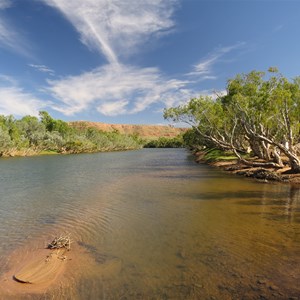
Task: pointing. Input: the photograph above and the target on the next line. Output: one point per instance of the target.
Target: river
(153, 224)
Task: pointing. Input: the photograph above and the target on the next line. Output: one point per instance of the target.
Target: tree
(33, 130)
(268, 111)
(260, 111)
(210, 119)
(5, 140)
(47, 120)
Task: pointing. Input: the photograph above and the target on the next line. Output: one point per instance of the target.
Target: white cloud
(42, 68)
(7, 80)
(278, 28)
(162, 91)
(15, 101)
(205, 66)
(9, 37)
(115, 89)
(116, 27)
(5, 4)
(113, 108)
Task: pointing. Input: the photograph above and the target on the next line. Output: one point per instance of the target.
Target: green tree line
(35, 135)
(259, 114)
(163, 142)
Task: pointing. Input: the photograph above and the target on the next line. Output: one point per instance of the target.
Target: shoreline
(260, 174)
(31, 153)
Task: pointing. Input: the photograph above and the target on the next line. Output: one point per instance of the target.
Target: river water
(153, 224)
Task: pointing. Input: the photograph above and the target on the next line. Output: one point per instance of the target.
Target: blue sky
(124, 61)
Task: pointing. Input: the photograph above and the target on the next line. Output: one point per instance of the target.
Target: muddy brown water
(149, 224)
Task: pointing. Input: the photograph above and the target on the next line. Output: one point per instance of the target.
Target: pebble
(261, 281)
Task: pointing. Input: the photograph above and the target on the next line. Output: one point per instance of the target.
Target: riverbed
(149, 224)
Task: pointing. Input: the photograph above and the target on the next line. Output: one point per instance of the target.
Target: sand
(33, 271)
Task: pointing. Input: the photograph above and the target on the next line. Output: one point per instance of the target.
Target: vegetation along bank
(31, 135)
(254, 126)
(45, 135)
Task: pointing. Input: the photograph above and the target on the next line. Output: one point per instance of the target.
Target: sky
(124, 61)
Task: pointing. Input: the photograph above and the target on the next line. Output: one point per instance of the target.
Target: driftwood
(63, 241)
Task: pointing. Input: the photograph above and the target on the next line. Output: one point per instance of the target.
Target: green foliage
(5, 139)
(213, 155)
(32, 130)
(164, 142)
(47, 135)
(260, 112)
(193, 140)
(209, 119)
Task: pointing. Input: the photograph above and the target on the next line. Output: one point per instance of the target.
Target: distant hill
(144, 131)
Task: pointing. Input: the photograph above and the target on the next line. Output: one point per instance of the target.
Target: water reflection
(292, 207)
(281, 204)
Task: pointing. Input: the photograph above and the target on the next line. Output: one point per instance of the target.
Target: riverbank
(26, 152)
(32, 152)
(232, 165)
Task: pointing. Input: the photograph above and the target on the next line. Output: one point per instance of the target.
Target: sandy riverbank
(52, 272)
(33, 270)
(263, 174)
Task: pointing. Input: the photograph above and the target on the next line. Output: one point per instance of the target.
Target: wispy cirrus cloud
(42, 68)
(116, 27)
(9, 37)
(114, 90)
(205, 67)
(14, 100)
(5, 4)
(113, 108)
(278, 28)
(118, 89)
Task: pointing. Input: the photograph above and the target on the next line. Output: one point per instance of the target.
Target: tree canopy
(259, 113)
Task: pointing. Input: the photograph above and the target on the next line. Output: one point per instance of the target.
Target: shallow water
(154, 225)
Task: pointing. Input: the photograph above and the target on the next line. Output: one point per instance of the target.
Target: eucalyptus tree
(8, 124)
(268, 111)
(260, 111)
(5, 140)
(32, 130)
(210, 119)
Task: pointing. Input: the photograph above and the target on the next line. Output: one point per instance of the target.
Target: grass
(48, 152)
(213, 155)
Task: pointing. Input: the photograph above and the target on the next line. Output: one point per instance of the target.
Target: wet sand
(39, 268)
(34, 271)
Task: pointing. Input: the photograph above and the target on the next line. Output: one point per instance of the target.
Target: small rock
(261, 281)
(255, 288)
(181, 254)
